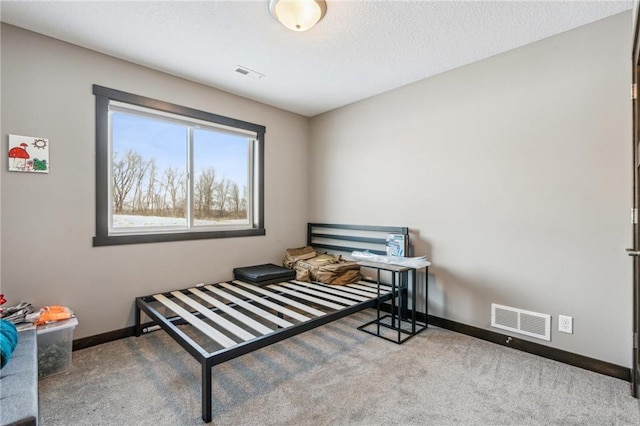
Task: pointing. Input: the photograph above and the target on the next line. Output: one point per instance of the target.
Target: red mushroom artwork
(21, 154)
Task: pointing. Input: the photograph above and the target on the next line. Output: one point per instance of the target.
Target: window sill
(114, 240)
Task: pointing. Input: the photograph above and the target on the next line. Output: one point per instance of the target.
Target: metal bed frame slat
(249, 322)
(347, 248)
(325, 295)
(307, 297)
(280, 298)
(222, 322)
(372, 289)
(348, 238)
(391, 229)
(267, 303)
(249, 307)
(332, 291)
(214, 334)
(349, 289)
(366, 288)
(374, 286)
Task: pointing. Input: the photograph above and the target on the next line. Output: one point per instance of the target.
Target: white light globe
(298, 15)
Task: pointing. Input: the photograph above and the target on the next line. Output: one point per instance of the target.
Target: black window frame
(103, 96)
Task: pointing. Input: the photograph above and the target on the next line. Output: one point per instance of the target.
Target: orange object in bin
(53, 313)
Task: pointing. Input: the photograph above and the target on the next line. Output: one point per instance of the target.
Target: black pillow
(264, 274)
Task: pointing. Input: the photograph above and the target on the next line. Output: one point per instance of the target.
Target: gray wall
(48, 221)
(515, 173)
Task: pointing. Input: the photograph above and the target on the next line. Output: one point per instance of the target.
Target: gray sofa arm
(19, 383)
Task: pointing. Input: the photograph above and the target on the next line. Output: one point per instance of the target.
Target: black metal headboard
(349, 238)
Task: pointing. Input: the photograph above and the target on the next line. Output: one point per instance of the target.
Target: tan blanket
(324, 268)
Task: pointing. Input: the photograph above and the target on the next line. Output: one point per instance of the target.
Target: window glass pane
(221, 177)
(149, 176)
(166, 172)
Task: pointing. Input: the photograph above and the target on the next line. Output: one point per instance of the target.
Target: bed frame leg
(206, 392)
(138, 325)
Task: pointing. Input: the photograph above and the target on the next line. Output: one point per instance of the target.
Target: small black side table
(399, 289)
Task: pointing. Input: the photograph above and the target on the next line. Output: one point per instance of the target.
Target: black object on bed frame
(231, 319)
(264, 274)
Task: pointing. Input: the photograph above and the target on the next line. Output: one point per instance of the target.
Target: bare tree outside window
(150, 183)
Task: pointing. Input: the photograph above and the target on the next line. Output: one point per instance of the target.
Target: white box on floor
(55, 342)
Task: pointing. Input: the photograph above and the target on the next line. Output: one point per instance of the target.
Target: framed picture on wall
(28, 154)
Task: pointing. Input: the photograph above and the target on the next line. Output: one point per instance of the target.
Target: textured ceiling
(360, 48)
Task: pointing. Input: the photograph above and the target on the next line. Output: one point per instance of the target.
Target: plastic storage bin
(55, 342)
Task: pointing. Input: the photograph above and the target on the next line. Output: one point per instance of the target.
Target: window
(166, 172)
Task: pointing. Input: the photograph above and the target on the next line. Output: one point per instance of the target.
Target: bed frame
(233, 318)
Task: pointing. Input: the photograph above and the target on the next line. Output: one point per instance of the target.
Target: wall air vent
(249, 73)
(520, 321)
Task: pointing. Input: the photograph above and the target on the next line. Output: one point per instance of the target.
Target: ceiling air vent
(520, 321)
(249, 73)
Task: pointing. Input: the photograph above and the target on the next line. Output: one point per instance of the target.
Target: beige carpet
(334, 375)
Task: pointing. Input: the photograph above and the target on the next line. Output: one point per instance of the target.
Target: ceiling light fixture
(298, 15)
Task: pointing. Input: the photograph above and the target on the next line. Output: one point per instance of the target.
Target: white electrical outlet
(565, 324)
